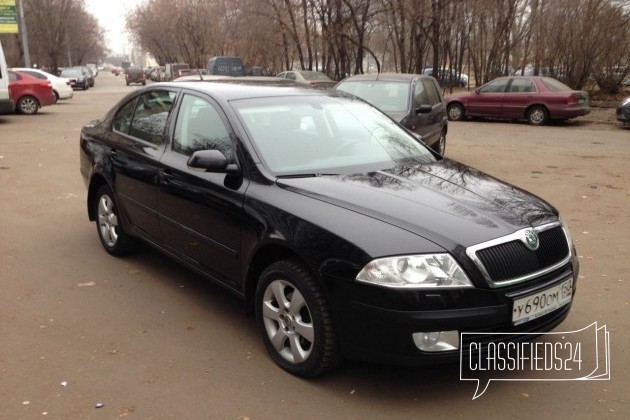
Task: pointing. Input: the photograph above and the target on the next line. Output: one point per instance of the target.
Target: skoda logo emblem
(531, 240)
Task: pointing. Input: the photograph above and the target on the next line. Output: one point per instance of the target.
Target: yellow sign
(8, 17)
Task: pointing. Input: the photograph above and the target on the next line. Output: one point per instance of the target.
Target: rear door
(138, 142)
(6, 105)
(521, 92)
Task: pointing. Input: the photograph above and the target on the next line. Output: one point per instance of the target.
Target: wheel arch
(534, 105)
(96, 182)
(263, 258)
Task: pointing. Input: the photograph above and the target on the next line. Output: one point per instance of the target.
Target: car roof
(250, 87)
(404, 77)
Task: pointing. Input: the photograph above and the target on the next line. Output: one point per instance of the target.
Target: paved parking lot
(150, 340)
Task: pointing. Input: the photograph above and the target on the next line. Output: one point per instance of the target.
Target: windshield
(310, 135)
(388, 96)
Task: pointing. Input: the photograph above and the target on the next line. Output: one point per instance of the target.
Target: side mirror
(212, 161)
(477, 90)
(424, 109)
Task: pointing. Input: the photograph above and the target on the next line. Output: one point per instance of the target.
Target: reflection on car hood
(446, 202)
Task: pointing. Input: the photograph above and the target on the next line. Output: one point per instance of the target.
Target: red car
(29, 93)
(534, 98)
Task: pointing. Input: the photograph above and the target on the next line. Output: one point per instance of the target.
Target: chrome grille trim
(471, 251)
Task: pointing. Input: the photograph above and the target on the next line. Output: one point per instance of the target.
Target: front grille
(513, 259)
(508, 260)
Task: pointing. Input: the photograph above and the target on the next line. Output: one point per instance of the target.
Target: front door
(200, 212)
(488, 100)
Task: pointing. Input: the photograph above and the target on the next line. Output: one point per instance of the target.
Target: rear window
(554, 85)
(388, 96)
(315, 75)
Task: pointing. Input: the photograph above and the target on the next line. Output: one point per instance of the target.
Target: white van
(6, 106)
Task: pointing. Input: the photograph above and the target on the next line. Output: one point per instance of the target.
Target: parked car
(29, 94)
(61, 86)
(315, 78)
(6, 104)
(412, 100)
(536, 99)
(91, 77)
(171, 69)
(623, 111)
(226, 66)
(346, 236)
(447, 77)
(77, 76)
(135, 75)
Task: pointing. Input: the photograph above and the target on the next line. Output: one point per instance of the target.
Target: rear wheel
(108, 224)
(27, 105)
(455, 112)
(295, 320)
(538, 115)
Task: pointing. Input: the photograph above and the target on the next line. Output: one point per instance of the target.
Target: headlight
(415, 272)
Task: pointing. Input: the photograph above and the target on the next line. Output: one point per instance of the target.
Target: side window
(420, 94)
(290, 76)
(122, 120)
(522, 85)
(432, 91)
(496, 86)
(13, 77)
(149, 118)
(199, 127)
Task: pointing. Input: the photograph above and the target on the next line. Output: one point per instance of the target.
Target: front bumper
(377, 325)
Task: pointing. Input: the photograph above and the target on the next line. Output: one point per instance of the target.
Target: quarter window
(199, 127)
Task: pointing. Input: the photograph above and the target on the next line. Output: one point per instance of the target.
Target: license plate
(541, 303)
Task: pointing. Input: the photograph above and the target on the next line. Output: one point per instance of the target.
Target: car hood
(445, 202)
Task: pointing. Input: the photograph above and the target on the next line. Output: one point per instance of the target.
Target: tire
(455, 112)
(86, 86)
(538, 115)
(56, 96)
(110, 231)
(440, 145)
(27, 105)
(295, 320)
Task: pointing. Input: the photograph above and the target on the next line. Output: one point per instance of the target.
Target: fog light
(436, 340)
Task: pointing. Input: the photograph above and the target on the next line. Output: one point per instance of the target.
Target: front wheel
(538, 115)
(27, 105)
(440, 145)
(455, 112)
(108, 224)
(295, 320)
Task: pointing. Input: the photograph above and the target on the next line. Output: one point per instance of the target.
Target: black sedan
(623, 111)
(345, 235)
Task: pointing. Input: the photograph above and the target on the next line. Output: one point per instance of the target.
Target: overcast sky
(111, 16)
